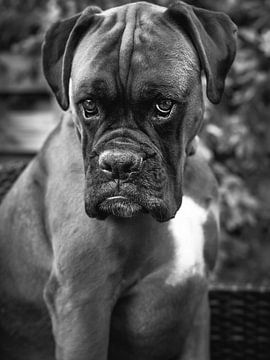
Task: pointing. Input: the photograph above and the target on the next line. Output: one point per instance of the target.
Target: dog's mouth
(126, 202)
(120, 206)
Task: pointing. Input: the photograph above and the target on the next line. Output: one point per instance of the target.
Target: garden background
(235, 137)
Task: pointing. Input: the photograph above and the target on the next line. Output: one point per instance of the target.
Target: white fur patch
(187, 232)
(71, 99)
(72, 107)
(114, 10)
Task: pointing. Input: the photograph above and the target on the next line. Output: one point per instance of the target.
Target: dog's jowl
(108, 236)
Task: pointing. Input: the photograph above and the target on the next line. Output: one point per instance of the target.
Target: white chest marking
(188, 237)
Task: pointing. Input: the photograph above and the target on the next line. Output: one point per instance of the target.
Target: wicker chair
(240, 316)
(240, 323)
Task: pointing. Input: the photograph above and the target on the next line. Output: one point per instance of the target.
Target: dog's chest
(158, 311)
(188, 233)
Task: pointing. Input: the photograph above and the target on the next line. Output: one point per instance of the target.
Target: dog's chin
(125, 207)
(119, 206)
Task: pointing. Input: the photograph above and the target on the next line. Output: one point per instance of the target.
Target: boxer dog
(108, 236)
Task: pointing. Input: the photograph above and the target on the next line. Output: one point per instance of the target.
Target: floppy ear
(57, 51)
(213, 35)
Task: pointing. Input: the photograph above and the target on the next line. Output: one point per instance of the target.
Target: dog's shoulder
(199, 180)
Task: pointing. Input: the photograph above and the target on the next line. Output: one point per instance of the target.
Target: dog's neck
(142, 227)
(140, 244)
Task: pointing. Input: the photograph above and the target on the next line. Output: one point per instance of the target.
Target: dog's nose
(119, 164)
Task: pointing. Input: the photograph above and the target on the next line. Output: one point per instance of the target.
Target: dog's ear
(57, 51)
(213, 35)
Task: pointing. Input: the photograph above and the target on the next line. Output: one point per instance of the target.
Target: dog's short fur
(93, 233)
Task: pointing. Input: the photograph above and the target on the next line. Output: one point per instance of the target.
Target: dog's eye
(164, 107)
(89, 108)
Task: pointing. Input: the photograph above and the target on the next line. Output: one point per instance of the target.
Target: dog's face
(136, 98)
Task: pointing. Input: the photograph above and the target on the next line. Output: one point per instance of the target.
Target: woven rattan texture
(240, 317)
(240, 323)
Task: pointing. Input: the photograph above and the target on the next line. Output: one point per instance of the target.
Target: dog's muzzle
(124, 179)
(119, 167)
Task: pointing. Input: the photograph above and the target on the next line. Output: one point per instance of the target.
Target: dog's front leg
(197, 343)
(80, 318)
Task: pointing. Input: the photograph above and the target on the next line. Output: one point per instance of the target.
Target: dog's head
(131, 76)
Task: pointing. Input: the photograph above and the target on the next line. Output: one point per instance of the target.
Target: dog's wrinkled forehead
(131, 45)
(141, 37)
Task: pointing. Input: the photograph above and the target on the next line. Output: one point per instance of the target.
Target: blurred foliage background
(236, 135)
